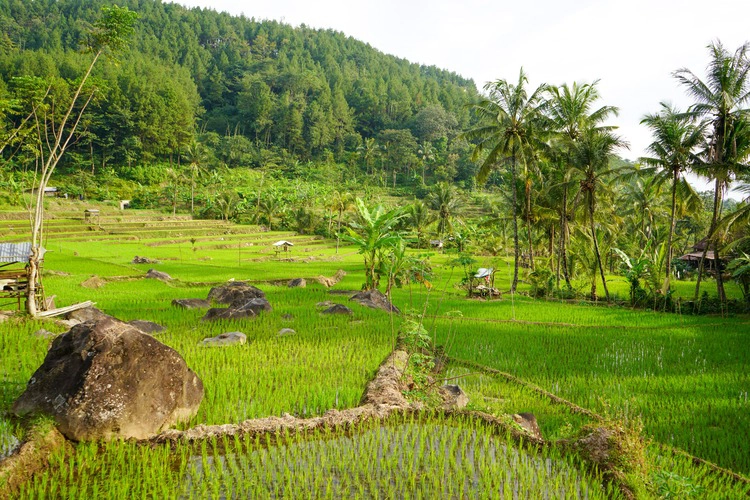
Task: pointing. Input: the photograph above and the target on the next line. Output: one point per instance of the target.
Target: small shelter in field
(483, 283)
(282, 245)
(14, 274)
(49, 191)
(693, 258)
(91, 215)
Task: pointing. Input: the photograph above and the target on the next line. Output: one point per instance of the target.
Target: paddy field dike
(678, 382)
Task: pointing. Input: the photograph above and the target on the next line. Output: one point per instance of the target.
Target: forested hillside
(247, 91)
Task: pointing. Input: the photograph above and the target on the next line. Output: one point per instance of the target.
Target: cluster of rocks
(107, 379)
(143, 260)
(244, 301)
(158, 275)
(371, 298)
(376, 300)
(224, 339)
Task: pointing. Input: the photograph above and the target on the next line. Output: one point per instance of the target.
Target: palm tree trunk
(710, 241)
(551, 245)
(563, 238)
(596, 246)
(528, 225)
(557, 264)
(338, 232)
(514, 284)
(665, 286)
(192, 194)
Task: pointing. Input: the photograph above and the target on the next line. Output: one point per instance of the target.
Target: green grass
(407, 457)
(686, 377)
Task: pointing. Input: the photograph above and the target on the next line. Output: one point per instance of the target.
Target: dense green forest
(245, 90)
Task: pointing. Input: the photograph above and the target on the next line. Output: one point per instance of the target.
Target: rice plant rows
(406, 457)
(687, 383)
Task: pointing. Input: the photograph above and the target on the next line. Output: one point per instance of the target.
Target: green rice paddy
(686, 377)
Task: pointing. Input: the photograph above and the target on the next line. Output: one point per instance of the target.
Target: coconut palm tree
(271, 206)
(341, 202)
(419, 217)
(367, 152)
(739, 220)
(722, 97)
(639, 202)
(197, 156)
(426, 154)
(509, 119)
(591, 162)
(571, 111)
(445, 199)
(677, 136)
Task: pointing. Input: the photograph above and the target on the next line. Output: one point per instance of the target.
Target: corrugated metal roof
(17, 252)
(483, 272)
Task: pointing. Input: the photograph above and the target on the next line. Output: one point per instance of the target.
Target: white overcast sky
(631, 46)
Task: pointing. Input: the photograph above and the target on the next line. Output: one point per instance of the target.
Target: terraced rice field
(685, 377)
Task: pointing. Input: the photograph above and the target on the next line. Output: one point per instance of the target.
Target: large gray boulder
(148, 327)
(191, 303)
(247, 309)
(90, 313)
(235, 292)
(337, 309)
(297, 283)
(453, 397)
(108, 380)
(376, 300)
(158, 275)
(224, 339)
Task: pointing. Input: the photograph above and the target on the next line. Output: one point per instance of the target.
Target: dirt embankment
(31, 457)
(383, 396)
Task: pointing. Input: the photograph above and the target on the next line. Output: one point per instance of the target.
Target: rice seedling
(406, 457)
(685, 381)
(685, 377)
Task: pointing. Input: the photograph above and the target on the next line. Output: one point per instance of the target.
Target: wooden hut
(14, 274)
(91, 216)
(282, 245)
(693, 258)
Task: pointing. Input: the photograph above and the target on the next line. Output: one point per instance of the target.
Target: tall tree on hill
(571, 111)
(196, 155)
(418, 218)
(55, 132)
(341, 201)
(591, 162)
(676, 138)
(722, 97)
(509, 117)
